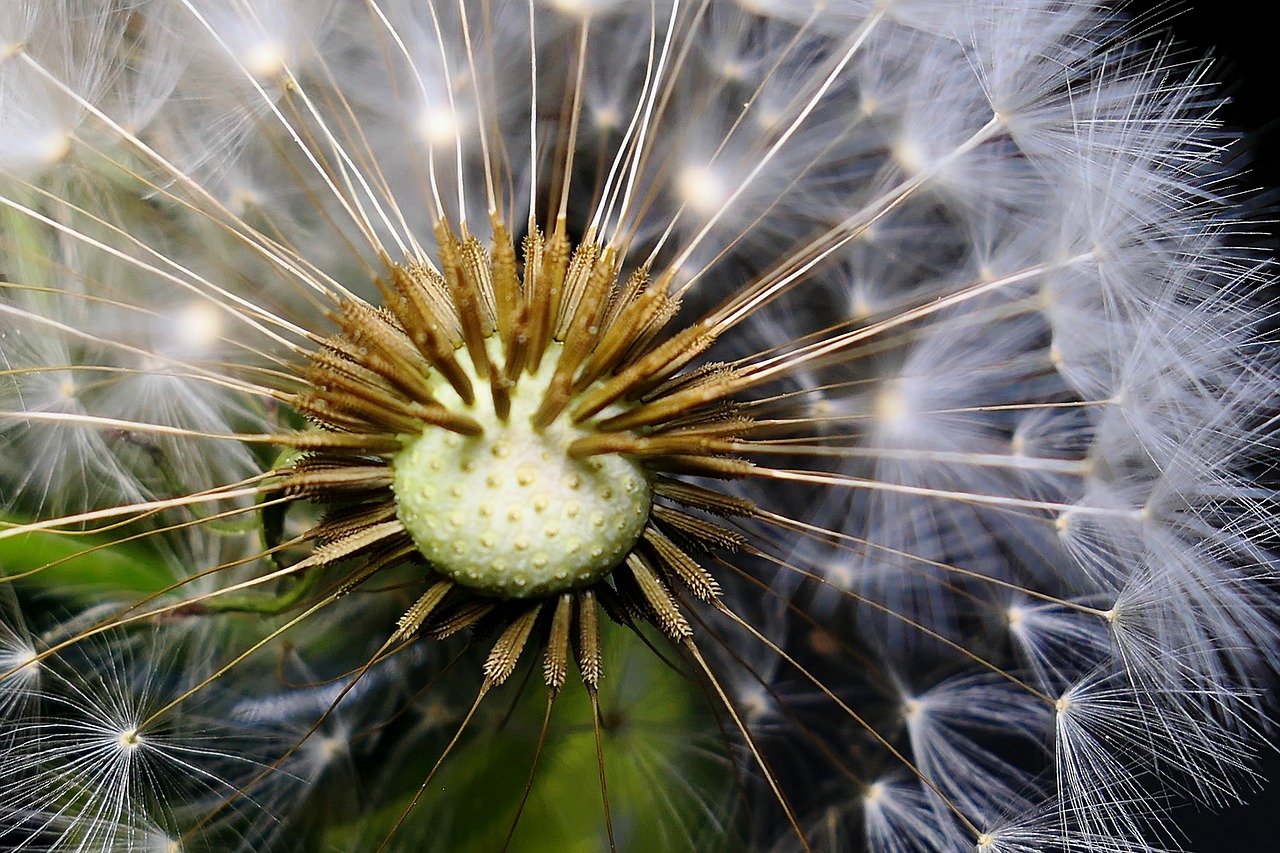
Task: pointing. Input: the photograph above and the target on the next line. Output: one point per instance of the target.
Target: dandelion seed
(782, 426)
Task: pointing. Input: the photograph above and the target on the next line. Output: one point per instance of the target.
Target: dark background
(1247, 58)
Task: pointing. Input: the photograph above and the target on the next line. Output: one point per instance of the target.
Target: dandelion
(615, 425)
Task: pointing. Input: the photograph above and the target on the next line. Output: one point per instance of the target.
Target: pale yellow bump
(515, 514)
(525, 475)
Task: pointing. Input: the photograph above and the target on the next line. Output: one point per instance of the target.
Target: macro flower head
(599, 424)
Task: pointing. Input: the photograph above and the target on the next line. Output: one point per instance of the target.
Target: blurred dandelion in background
(581, 424)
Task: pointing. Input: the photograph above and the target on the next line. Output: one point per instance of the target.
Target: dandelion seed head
(893, 370)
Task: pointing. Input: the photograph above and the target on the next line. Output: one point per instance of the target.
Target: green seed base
(509, 512)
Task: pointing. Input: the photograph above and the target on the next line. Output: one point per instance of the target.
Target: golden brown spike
(625, 604)
(647, 371)
(450, 420)
(392, 553)
(678, 563)
(556, 662)
(367, 444)
(716, 387)
(534, 299)
(652, 445)
(619, 335)
(588, 649)
(544, 302)
(700, 497)
(505, 655)
(339, 524)
(500, 392)
(580, 279)
(591, 277)
(431, 292)
(666, 612)
(645, 334)
(720, 467)
(467, 299)
(306, 479)
(477, 269)
(720, 418)
(702, 532)
(411, 298)
(344, 386)
(463, 616)
(353, 544)
(331, 365)
(507, 296)
(344, 404)
(421, 610)
(696, 376)
(623, 298)
(373, 341)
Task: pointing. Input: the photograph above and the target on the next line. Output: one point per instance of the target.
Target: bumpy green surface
(509, 512)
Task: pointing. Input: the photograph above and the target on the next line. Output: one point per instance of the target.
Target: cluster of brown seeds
(618, 389)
